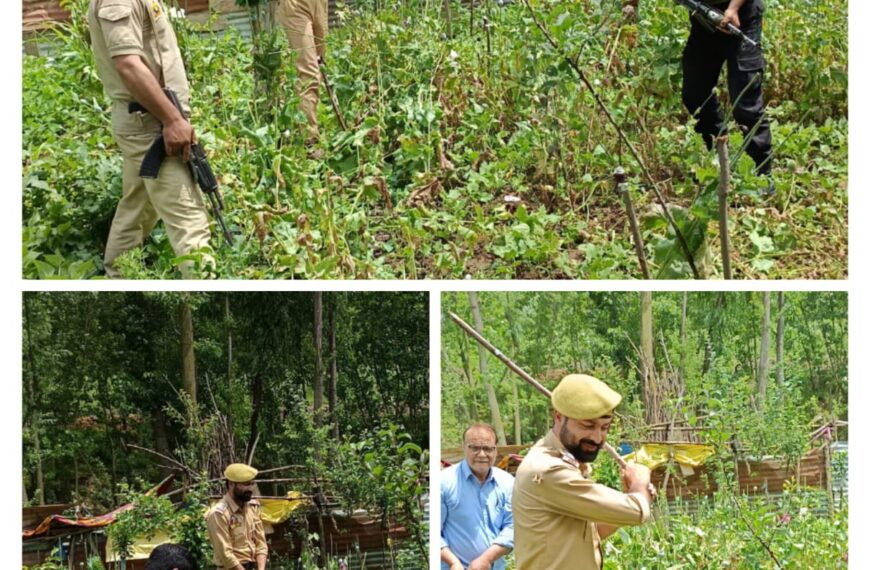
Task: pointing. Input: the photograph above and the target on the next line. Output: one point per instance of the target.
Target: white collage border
(12, 286)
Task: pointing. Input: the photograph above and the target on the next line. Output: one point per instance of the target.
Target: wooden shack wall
(755, 477)
(39, 14)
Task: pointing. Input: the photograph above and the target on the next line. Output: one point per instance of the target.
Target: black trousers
(705, 54)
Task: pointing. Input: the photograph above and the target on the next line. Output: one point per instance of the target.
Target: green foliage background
(551, 334)
(103, 370)
(443, 130)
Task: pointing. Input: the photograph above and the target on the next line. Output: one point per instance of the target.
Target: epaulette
(568, 458)
(219, 507)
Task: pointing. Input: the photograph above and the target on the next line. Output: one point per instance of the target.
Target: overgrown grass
(730, 533)
(460, 160)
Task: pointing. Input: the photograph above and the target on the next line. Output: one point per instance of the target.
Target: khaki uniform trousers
(306, 24)
(171, 197)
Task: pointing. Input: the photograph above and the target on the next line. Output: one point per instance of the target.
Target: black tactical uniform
(705, 53)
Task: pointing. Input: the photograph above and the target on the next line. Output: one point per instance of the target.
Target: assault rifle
(713, 17)
(200, 169)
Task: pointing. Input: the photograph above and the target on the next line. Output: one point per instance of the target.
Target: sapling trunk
(622, 190)
(724, 183)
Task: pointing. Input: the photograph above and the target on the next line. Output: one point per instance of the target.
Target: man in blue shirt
(477, 525)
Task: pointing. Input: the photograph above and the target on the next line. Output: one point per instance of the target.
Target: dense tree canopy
(713, 352)
(104, 372)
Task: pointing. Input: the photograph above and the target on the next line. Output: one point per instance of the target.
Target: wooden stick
(160, 455)
(522, 374)
(684, 245)
(755, 534)
(622, 190)
(724, 183)
(332, 98)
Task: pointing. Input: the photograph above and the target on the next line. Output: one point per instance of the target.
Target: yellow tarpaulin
(272, 511)
(275, 511)
(656, 454)
(141, 548)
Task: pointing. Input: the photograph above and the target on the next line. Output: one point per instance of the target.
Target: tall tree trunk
(188, 360)
(333, 371)
(318, 406)
(256, 406)
(228, 322)
(780, 339)
(228, 319)
(494, 412)
(683, 348)
(161, 442)
(318, 359)
(647, 359)
(466, 368)
(515, 349)
(32, 398)
(764, 356)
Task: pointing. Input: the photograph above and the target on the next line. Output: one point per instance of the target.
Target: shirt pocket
(451, 501)
(238, 535)
(115, 10)
(502, 509)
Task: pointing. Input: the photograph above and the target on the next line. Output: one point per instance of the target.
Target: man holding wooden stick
(560, 514)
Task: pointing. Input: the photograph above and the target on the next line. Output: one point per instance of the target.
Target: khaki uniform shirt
(236, 532)
(556, 507)
(136, 27)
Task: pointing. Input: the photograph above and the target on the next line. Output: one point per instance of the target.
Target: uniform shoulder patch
(220, 508)
(569, 459)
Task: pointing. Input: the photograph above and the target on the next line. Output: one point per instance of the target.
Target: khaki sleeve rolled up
(221, 542)
(260, 546)
(565, 491)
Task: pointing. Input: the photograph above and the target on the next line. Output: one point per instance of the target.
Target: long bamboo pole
(522, 374)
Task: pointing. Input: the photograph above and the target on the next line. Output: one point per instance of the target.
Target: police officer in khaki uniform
(234, 524)
(560, 515)
(306, 24)
(137, 55)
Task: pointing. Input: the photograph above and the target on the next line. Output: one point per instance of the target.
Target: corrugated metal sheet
(191, 6)
(756, 476)
(241, 22)
(766, 476)
(37, 14)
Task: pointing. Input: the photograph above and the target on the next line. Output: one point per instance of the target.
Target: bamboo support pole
(724, 183)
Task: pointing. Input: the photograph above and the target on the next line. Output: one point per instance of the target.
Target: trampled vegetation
(472, 149)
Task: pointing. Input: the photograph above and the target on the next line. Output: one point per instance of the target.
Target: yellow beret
(582, 397)
(240, 473)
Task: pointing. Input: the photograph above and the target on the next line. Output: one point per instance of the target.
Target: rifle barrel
(521, 373)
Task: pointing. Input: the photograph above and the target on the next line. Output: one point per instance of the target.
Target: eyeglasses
(487, 449)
